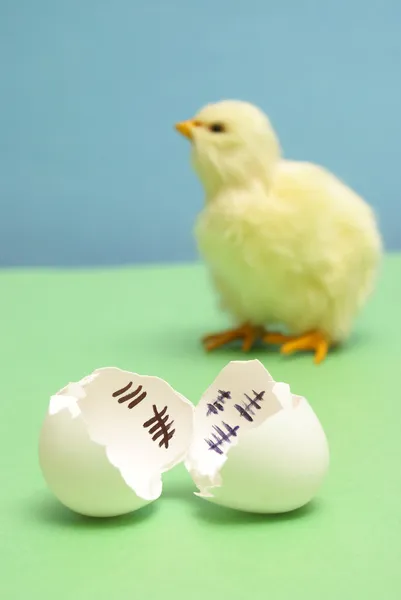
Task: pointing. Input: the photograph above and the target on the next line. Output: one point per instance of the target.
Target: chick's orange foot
(247, 333)
(314, 340)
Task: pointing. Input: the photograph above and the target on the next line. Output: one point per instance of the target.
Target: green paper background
(58, 326)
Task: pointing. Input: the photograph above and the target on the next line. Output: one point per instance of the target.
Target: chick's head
(232, 143)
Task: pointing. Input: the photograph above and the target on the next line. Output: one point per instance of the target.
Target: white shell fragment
(256, 447)
(107, 439)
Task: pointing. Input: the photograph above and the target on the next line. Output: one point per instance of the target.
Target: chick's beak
(186, 128)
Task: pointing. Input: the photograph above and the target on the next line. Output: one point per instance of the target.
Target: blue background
(91, 170)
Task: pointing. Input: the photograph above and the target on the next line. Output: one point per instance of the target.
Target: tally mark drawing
(221, 437)
(246, 410)
(160, 427)
(214, 407)
(131, 395)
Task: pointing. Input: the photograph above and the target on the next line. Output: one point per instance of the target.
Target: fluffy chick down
(287, 243)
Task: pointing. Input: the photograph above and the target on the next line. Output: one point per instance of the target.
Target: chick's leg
(248, 333)
(314, 340)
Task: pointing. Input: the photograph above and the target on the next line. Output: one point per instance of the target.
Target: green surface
(59, 326)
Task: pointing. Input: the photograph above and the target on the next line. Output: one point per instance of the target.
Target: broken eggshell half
(107, 439)
(256, 447)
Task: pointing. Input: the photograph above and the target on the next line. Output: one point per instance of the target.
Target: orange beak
(186, 128)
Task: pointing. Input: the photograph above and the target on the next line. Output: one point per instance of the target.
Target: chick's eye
(217, 128)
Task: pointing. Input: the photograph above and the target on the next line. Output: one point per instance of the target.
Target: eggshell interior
(78, 471)
(277, 467)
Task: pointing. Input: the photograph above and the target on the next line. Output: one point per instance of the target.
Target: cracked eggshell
(256, 446)
(78, 472)
(277, 467)
(97, 452)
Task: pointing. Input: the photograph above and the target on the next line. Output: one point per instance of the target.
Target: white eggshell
(78, 472)
(107, 440)
(276, 467)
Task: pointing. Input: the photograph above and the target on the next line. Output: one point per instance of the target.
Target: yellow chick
(288, 244)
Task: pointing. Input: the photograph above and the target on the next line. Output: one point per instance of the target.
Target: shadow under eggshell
(77, 470)
(276, 467)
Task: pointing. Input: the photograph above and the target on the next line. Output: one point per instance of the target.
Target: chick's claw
(314, 340)
(247, 333)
